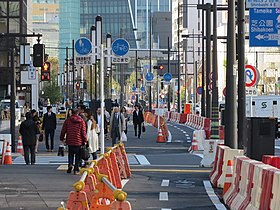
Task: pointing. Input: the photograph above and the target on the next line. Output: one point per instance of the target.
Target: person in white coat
(92, 134)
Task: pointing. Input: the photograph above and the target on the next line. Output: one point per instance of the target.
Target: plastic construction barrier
(255, 185)
(100, 185)
(224, 153)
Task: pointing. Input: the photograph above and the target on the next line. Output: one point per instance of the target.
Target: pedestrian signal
(78, 86)
(46, 71)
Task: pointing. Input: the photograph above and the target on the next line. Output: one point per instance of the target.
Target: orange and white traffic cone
(8, 156)
(194, 143)
(229, 174)
(160, 138)
(20, 146)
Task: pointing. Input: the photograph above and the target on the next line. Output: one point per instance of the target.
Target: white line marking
(199, 155)
(215, 200)
(142, 160)
(124, 182)
(166, 209)
(184, 131)
(165, 183)
(189, 141)
(163, 196)
(188, 137)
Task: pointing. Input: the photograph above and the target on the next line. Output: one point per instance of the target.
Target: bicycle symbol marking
(120, 47)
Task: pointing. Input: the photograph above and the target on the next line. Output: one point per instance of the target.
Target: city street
(164, 175)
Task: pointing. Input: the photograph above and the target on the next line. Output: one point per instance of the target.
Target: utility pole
(194, 76)
(73, 71)
(136, 66)
(67, 73)
(150, 54)
(179, 76)
(241, 80)
(215, 97)
(92, 39)
(208, 59)
(231, 109)
(168, 70)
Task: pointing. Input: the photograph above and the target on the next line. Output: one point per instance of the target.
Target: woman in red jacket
(75, 130)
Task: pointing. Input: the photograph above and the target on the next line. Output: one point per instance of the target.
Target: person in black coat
(28, 129)
(138, 119)
(49, 126)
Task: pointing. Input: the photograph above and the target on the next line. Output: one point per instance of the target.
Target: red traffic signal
(46, 71)
(161, 67)
(78, 86)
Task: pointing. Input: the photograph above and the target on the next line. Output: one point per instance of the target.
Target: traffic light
(38, 55)
(46, 71)
(159, 67)
(78, 86)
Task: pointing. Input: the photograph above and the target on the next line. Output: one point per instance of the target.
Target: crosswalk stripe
(163, 196)
(142, 160)
(165, 183)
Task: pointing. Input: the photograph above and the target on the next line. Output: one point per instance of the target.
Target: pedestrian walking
(68, 113)
(126, 118)
(138, 119)
(38, 122)
(74, 128)
(28, 129)
(97, 117)
(117, 125)
(49, 126)
(92, 134)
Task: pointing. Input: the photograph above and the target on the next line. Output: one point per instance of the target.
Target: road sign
(264, 27)
(263, 4)
(167, 77)
(83, 60)
(133, 88)
(251, 91)
(199, 90)
(120, 47)
(224, 92)
(149, 76)
(83, 46)
(142, 89)
(133, 97)
(31, 72)
(251, 75)
(120, 59)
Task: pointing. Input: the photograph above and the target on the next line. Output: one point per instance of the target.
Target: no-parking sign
(251, 75)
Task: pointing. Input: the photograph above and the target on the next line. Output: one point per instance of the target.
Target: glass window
(3, 59)
(3, 9)
(14, 8)
(14, 25)
(3, 25)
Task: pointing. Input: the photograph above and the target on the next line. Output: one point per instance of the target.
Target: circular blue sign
(199, 90)
(133, 97)
(149, 76)
(167, 77)
(133, 88)
(83, 46)
(120, 47)
(142, 89)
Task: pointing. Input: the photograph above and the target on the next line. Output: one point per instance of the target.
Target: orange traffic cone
(20, 146)
(160, 138)
(8, 156)
(229, 174)
(194, 143)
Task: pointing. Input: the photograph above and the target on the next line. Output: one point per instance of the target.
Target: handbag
(61, 150)
(123, 137)
(41, 137)
(84, 152)
(143, 128)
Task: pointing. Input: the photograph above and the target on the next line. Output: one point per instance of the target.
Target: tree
(51, 90)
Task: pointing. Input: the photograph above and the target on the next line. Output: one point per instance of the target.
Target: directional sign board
(120, 47)
(83, 46)
(263, 3)
(251, 75)
(264, 27)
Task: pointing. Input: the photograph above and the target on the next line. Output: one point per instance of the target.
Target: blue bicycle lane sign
(120, 47)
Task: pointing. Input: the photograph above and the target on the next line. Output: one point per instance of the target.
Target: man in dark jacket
(138, 119)
(75, 130)
(28, 129)
(49, 125)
